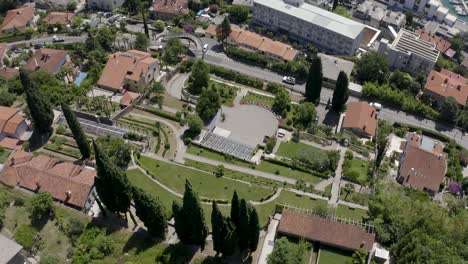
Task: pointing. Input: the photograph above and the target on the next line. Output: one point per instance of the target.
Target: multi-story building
(432, 9)
(168, 9)
(107, 5)
(409, 53)
(443, 84)
(309, 24)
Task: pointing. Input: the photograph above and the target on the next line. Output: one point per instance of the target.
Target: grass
(354, 197)
(254, 97)
(344, 211)
(270, 167)
(4, 155)
(209, 154)
(291, 149)
(356, 169)
(329, 255)
(207, 185)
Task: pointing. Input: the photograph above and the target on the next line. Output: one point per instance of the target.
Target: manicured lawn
(4, 155)
(346, 212)
(360, 167)
(354, 197)
(253, 97)
(291, 149)
(287, 172)
(207, 185)
(329, 255)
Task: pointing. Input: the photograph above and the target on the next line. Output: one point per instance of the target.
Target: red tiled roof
(6, 113)
(446, 83)
(327, 231)
(59, 18)
(8, 73)
(17, 18)
(13, 123)
(48, 60)
(3, 48)
(171, 7)
(420, 168)
(65, 181)
(128, 98)
(442, 45)
(131, 65)
(360, 115)
(11, 143)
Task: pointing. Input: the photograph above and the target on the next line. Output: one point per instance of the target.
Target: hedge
(292, 166)
(247, 56)
(236, 77)
(159, 113)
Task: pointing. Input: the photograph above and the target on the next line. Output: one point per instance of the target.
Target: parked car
(56, 39)
(205, 48)
(38, 46)
(376, 106)
(289, 80)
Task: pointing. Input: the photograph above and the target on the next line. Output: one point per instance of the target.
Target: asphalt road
(48, 40)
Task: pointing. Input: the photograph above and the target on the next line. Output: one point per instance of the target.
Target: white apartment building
(307, 23)
(432, 9)
(410, 54)
(107, 5)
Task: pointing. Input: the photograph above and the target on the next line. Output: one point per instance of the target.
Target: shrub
(160, 113)
(236, 77)
(49, 260)
(24, 235)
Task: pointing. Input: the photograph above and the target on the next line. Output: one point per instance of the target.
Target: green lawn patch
(291, 149)
(354, 197)
(273, 168)
(329, 255)
(346, 212)
(4, 153)
(207, 185)
(356, 169)
(258, 98)
(210, 154)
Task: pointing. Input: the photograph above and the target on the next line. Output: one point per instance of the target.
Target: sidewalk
(269, 242)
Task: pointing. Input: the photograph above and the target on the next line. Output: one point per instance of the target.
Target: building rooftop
(173, 7)
(409, 42)
(8, 73)
(446, 83)
(17, 18)
(65, 181)
(48, 60)
(360, 115)
(59, 18)
(331, 66)
(442, 45)
(326, 231)
(9, 119)
(423, 163)
(8, 249)
(318, 16)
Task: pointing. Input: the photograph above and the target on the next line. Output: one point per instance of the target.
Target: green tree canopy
(115, 148)
(218, 228)
(235, 208)
(189, 219)
(223, 30)
(195, 124)
(142, 42)
(78, 134)
(111, 183)
(372, 67)
(305, 113)
(238, 13)
(172, 51)
(243, 229)
(208, 104)
(341, 92)
(313, 86)
(200, 77)
(449, 109)
(254, 229)
(151, 212)
(287, 252)
(40, 206)
(282, 102)
(159, 25)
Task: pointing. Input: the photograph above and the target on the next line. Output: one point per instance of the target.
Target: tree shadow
(140, 240)
(331, 118)
(110, 222)
(38, 140)
(177, 253)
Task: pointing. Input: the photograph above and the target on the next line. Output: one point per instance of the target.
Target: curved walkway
(176, 83)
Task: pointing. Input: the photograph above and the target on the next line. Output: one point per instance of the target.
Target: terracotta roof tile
(128, 98)
(8, 73)
(65, 181)
(360, 115)
(327, 231)
(131, 65)
(3, 49)
(11, 143)
(442, 45)
(171, 7)
(420, 168)
(48, 60)
(446, 83)
(59, 18)
(17, 18)
(6, 113)
(13, 123)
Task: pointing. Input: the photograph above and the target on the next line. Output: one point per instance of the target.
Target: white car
(205, 48)
(376, 106)
(289, 80)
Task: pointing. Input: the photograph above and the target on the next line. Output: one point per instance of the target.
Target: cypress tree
(341, 93)
(78, 135)
(235, 208)
(217, 228)
(111, 183)
(314, 81)
(190, 220)
(243, 229)
(39, 107)
(254, 229)
(230, 238)
(151, 212)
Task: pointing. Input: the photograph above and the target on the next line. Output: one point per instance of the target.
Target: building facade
(409, 53)
(107, 5)
(307, 23)
(431, 9)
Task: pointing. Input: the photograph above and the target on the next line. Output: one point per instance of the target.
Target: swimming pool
(80, 78)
